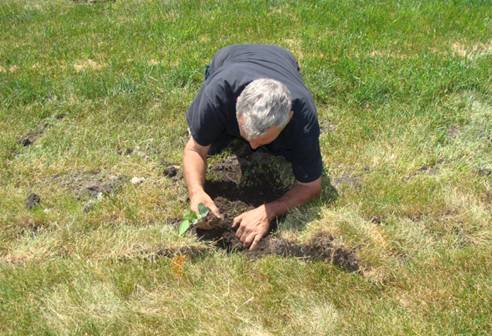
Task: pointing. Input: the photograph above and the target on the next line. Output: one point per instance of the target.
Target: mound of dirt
(171, 171)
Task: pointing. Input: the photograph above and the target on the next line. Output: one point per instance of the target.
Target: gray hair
(263, 104)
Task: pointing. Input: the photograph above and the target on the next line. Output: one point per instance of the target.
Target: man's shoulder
(230, 80)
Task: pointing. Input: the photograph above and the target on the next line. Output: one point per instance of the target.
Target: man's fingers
(255, 242)
(249, 239)
(236, 221)
(240, 232)
(215, 211)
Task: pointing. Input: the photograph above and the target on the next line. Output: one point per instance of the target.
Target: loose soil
(171, 171)
(33, 135)
(253, 179)
(347, 180)
(32, 201)
(239, 184)
(90, 184)
(321, 247)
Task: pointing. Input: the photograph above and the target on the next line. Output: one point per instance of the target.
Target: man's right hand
(194, 163)
(203, 197)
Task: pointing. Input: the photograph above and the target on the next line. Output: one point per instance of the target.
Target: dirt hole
(239, 183)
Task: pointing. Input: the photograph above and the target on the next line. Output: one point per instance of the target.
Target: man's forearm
(296, 196)
(194, 168)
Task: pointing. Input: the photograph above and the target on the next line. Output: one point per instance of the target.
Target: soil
(171, 171)
(253, 179)
(190, 251)
(319, 248)
(124, 151)
(239, 184)
(33, 135)
(346, 180)
(376, 219)
(32, 201)
(484, 172)
(90, 184)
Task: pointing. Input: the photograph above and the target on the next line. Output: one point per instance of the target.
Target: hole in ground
(239, 184)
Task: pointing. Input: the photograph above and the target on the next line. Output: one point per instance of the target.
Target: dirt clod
(170, 171)
(376, 219)
(124, 151)
(32, 201)
(484, 171)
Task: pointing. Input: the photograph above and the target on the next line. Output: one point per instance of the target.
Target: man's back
(213, 112)
(255, 92)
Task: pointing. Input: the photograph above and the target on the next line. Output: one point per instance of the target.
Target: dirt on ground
(321, 247)
(33, 135)
(171, 171)
(238, 184)
(90, 184)
(32, 201)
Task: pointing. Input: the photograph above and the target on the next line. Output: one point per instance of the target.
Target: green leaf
(202, 211)
(184, 226)
(190, 215)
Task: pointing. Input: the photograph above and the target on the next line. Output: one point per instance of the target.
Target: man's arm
(194, 168)
(299, 194)
(254, 224)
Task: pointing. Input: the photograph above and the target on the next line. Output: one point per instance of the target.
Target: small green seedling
(190, 218)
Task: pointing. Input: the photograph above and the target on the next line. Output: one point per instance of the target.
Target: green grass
(406, 88)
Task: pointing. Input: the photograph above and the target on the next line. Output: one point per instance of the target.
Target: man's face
(264, 139)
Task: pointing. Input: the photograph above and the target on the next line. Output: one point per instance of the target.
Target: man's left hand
(252, 226)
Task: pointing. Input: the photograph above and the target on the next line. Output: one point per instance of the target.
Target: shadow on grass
(245, 179)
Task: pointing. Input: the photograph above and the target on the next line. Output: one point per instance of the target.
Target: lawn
(93, 93)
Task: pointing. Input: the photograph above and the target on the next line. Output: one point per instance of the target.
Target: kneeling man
(254, 92)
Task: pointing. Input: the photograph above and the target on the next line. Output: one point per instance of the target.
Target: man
(254, 92)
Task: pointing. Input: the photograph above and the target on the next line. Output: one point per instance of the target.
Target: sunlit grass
(403, 91)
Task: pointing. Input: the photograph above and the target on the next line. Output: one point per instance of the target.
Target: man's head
(263, 109)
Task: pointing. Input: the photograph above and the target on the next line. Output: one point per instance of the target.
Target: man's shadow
(258, 177)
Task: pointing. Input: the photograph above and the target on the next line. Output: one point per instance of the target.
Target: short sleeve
(205, 115)
(307, 164)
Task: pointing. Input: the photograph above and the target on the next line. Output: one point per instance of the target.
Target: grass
(405, 88)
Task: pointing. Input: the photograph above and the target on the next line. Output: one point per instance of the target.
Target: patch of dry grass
(406, 122)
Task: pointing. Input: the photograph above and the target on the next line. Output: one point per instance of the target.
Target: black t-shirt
(213, 112)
